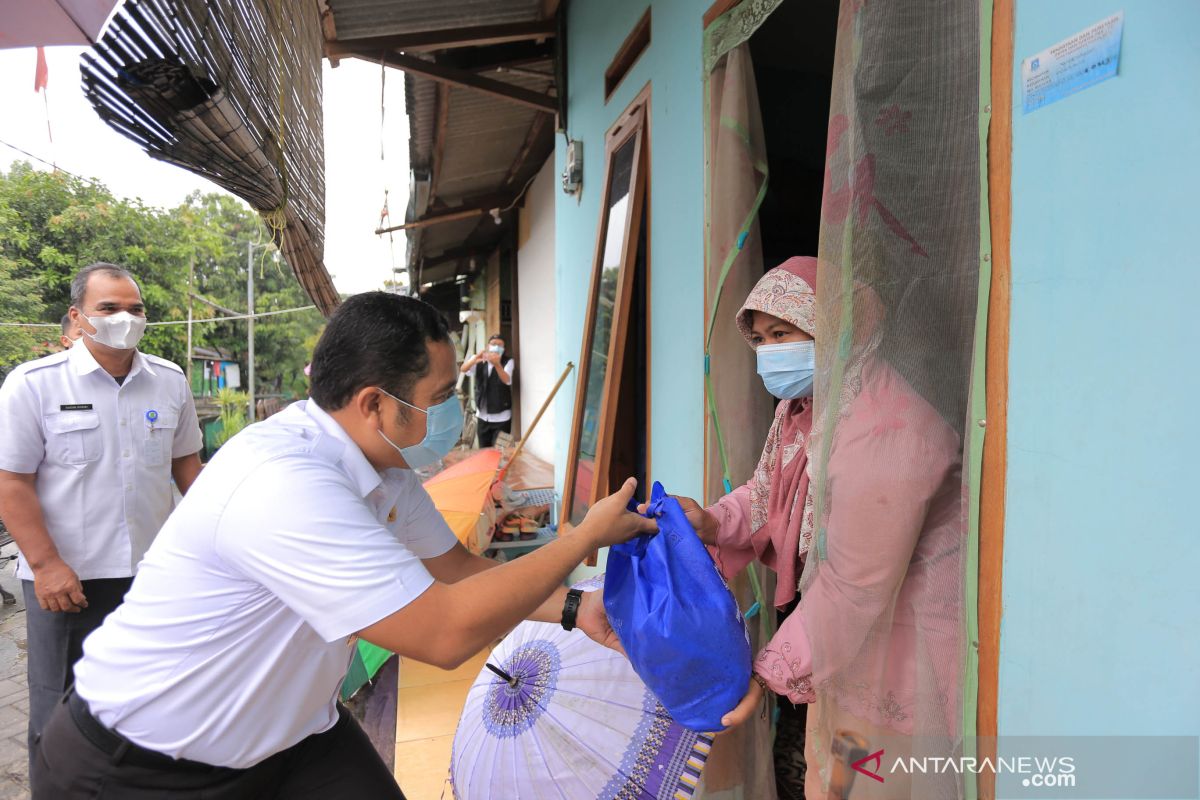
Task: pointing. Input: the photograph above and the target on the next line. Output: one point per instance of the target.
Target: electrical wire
(52, 165)
(230, 318)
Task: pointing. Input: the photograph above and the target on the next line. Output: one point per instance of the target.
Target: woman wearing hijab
(875, 605)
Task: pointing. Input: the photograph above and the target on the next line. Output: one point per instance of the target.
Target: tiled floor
(429, 705)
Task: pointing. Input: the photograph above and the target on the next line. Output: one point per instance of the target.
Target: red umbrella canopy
(43, 23)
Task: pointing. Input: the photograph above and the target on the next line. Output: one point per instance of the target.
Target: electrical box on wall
(572, 176)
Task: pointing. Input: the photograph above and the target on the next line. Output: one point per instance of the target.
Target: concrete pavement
(14, 695)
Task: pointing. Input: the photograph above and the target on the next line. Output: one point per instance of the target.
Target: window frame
(632, 124)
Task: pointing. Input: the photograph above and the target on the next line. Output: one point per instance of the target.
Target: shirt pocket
(158, 438)
(73, 437)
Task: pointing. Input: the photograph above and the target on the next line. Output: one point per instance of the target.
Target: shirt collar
(83, 362)
(366, 478)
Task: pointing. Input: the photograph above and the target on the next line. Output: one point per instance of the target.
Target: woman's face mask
(787, 369)
(496, 348)
(443, 426)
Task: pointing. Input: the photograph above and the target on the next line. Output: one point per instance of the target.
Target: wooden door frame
(993, 481)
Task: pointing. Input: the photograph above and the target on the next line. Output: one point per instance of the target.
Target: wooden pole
(521, 444)
(435, 220)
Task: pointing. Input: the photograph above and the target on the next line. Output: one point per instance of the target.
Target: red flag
(42, 75)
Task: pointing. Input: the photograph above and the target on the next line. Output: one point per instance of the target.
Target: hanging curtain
(739, 412)
(232, 92)
(885, 587)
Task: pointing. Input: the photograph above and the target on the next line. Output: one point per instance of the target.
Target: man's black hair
(374, 339)
(79, 283)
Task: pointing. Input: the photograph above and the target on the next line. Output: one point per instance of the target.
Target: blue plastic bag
(677, 620)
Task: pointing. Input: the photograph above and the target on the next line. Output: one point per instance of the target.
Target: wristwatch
(571, 608)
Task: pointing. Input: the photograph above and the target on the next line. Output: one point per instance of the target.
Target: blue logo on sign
(1037, 62)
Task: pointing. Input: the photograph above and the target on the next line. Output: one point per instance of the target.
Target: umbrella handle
(509, 679)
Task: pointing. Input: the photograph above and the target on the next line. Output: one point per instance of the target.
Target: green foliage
(52, 224)
(233, 405)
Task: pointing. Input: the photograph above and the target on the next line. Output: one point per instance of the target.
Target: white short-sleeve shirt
(238, 631)
(101, 451)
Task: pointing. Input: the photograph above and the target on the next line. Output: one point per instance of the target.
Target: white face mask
(120, 331)
(496, 348)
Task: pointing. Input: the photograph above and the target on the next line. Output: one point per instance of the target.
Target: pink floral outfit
(894, 471)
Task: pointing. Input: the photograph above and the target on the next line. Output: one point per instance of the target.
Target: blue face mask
(443, 425)
(787, 369)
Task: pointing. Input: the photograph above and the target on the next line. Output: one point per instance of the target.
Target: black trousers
(77, 761)
(55, 642)
(488, 430)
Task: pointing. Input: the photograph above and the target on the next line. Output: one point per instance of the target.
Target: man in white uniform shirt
(90, 439)
(219, 676)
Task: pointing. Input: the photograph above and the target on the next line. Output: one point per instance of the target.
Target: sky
(355, 176)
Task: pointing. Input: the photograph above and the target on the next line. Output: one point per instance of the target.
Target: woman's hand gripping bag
(677, 620)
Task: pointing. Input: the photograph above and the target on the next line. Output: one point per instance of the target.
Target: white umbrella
(556, 715)
(43, 23)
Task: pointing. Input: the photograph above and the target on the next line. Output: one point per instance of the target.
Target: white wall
(538, 368)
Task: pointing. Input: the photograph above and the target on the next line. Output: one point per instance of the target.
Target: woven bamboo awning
(231, 91)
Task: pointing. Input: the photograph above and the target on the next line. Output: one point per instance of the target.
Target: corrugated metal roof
(356, 19)
(420, 103)
(486, 136)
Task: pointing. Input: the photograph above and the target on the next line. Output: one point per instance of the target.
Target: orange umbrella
(462, 494)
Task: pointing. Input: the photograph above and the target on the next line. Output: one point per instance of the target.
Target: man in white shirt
(90, 439)
(494, 372)
(219, 676)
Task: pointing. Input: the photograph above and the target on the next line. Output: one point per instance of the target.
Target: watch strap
(571, 608)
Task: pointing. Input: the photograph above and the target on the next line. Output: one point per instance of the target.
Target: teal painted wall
(595, 33)
(1101, 549)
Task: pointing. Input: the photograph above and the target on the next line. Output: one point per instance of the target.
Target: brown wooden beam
(449, 38)
(467, 80)
(328, 26)
(483, 59)
(437, 219)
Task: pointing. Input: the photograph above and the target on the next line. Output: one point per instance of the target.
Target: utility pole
(191, 288)
(250, 327)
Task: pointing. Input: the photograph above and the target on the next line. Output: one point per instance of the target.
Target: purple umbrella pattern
(556, 715)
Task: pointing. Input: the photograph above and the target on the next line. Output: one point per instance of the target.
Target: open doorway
(770, 75)
(792, 55)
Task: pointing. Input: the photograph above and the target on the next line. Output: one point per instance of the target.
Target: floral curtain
(885, 587)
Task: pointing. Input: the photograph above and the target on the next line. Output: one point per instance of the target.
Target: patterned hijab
(781, 507)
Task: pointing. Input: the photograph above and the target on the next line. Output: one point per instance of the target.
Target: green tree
(54, 223)
(225, 228)
(51, 224)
